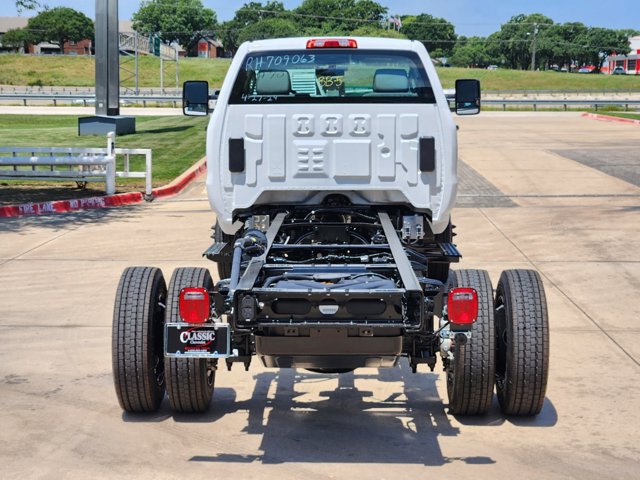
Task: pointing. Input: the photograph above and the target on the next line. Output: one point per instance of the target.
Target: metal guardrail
(565, 103)
(176, 100)
(88, 99)
(561, 92)
(86, 91)
(450, 95)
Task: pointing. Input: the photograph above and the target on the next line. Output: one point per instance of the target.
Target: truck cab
(301, 118)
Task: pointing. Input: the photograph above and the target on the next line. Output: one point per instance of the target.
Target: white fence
(74, 164)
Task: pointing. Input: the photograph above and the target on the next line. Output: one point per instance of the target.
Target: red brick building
(207, 48)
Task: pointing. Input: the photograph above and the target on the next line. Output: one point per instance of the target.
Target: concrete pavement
(576, 224)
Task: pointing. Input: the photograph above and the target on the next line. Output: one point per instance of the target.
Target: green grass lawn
(79, 71)
(632, 116)
(524, 80)
(177, 142)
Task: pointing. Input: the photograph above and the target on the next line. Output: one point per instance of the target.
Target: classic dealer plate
(188, 340)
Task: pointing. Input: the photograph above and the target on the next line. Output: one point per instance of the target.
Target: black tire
(470, 376)
(137, 348)
(190, 381)
(224, 267)
(440, 271)
(522, 339)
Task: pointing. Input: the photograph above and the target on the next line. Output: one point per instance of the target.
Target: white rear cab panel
(298, 153)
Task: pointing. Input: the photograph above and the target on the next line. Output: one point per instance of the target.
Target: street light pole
(107, 87)
(107, 58)
(533, 55)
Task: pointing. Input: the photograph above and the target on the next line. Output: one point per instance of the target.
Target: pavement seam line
(580, 309)
(17, 257)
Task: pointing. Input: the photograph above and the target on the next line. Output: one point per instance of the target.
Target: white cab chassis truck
(331, 167)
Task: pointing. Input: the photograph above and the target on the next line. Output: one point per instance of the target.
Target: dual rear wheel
(509, 346)
(141, 372)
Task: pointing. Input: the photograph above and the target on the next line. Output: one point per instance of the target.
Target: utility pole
(533, 54)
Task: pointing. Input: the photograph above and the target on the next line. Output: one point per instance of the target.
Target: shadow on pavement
(59, 221)
(30, 193)
(347, 425)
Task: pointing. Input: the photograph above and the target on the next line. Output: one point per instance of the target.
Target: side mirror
(467, 97)
(195, 98)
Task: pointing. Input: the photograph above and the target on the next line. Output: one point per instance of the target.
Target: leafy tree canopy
(23, 5)
(471, 52)
(182, 21)
(376, 31)
(269, 28)
(437, 34)
(17, 38)
(598, 43)
(338, 17)
(59, 25)
(514, 42)
(233, 31)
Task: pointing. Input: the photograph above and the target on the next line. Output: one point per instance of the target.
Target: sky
(470, 17)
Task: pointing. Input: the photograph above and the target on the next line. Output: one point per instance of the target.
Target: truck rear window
(332, 76)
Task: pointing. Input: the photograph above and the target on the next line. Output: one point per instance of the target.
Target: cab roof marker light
(332, 43)
(194, 305)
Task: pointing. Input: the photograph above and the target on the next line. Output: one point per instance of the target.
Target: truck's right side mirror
(467, 97)
(195, 98)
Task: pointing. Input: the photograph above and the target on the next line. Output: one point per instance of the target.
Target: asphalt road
(525, 202)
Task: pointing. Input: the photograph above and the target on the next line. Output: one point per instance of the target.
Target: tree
(16, 39)
(247, 16)
(337, 17)
(560, 44)
(23, 5)
(181, 21)
(253, 12)
(60, 25)
(598, 43)
(493, 46)
(437, 34)
(269, 28)
(518, 37)
(471, 52)
(377, 31)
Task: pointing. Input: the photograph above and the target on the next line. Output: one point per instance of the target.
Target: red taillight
(462, 306)
(194, 305)
(332, 43)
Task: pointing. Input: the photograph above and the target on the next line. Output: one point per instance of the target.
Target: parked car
(492, 67)
(619, 71)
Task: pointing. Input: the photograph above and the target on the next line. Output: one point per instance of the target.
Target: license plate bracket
(185, 340)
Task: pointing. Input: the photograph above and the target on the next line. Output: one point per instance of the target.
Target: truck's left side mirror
(195, 98)
(467, 97)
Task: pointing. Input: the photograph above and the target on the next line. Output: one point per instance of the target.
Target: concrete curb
(107, 201)
(177, 185)
(608, 118)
